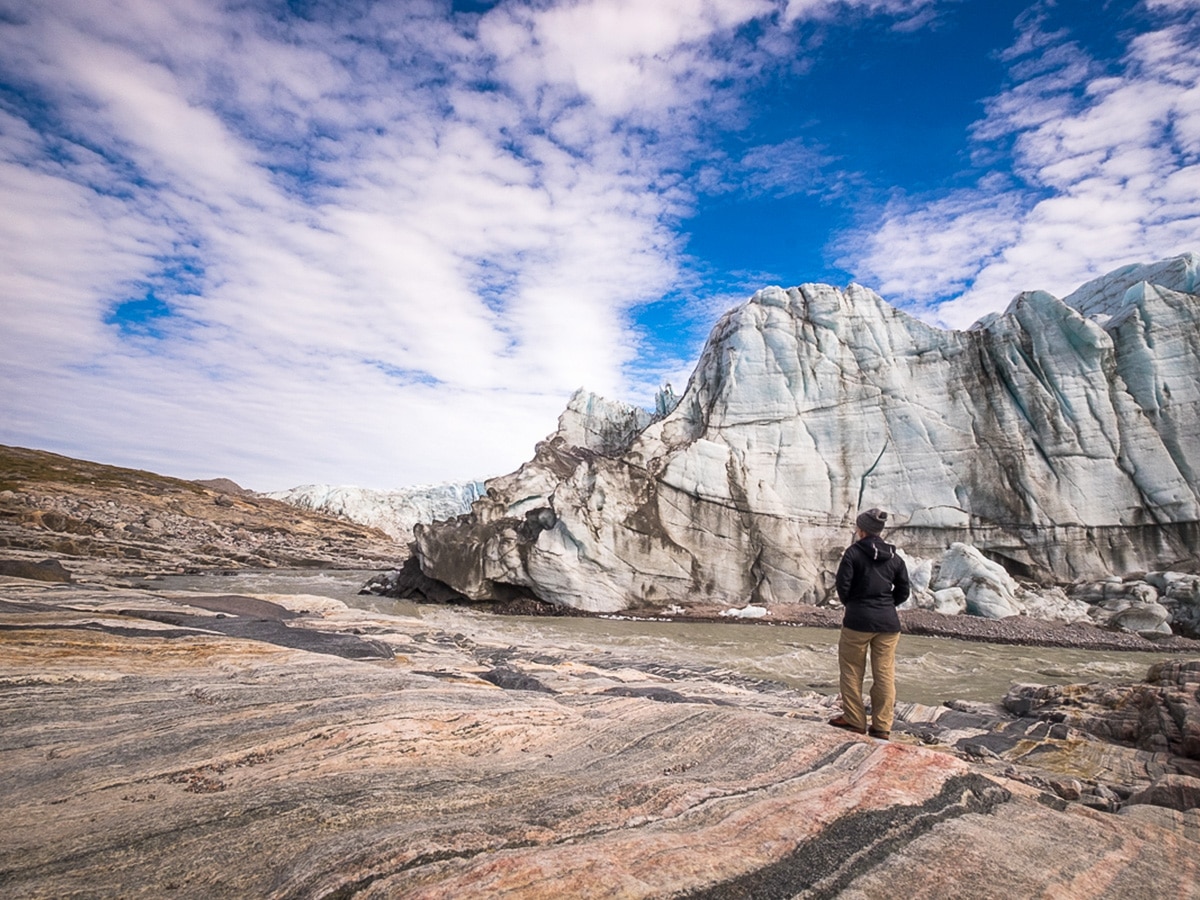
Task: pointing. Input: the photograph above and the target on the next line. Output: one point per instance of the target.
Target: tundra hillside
(103, 522)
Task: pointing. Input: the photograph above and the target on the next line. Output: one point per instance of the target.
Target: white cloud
(408, 236)
(403, 231)
(626, 57)
(923, 253)
(1107, 172)
(1176, 5)
(828, 9)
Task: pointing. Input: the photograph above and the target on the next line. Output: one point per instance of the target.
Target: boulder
(1179, 593)
(46, 570)
(988, 590)
(1145, 618)
(950, 601)
(1129, 605)
(1178, 792)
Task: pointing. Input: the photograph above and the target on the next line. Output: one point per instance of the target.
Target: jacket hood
(875, 549)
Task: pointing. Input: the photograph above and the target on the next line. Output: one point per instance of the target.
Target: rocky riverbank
(1024, 630)
(213, 745)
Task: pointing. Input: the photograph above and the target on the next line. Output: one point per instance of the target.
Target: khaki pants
(852, 663)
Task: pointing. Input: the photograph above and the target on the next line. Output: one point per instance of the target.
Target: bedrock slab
(150, 748)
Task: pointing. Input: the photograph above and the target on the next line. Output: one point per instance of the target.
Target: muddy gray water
(928, 670)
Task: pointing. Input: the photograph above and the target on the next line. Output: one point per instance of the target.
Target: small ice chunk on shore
(749, 612)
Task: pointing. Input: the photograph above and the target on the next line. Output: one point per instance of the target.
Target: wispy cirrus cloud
(903, 10)
(1105, 170)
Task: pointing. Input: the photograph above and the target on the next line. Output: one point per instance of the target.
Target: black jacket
(872, 581)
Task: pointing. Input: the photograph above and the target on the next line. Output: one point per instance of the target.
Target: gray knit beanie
(873, 521)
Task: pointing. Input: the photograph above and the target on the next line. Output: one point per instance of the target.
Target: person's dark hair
(873, 521)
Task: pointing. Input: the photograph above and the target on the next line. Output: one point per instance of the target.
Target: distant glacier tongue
(1060, 438)
(392, 512)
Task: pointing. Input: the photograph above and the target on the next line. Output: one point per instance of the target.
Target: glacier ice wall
(393, 512)
(1060, 437)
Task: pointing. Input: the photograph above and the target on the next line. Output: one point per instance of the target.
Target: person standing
(872, 580)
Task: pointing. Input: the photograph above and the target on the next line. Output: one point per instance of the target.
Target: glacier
(395, 513)
(1059, 439)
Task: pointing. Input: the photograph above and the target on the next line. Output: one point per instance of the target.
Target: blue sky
(382, 243)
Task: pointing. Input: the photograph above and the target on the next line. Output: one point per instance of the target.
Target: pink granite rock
(1178, 792)
(153, 746)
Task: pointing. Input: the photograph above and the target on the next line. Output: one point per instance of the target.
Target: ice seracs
(1110, 294)
(1059, 439)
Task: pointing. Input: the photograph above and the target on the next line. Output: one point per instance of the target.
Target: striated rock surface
(1059, 439)
(46, 570)
(393, 512)
(102, 521)
(1161, 715)
(229, 746)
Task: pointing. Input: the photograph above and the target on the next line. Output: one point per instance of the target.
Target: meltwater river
(928, 670)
